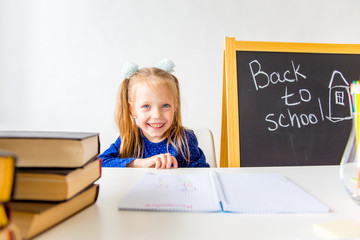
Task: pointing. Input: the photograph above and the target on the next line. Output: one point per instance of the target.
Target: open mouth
(156, 125)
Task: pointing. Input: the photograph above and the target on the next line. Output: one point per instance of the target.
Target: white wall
(60, 60)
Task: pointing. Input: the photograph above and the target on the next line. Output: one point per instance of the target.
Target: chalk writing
(262, 79)
(304, 94)
(339, 95)
(291, 119)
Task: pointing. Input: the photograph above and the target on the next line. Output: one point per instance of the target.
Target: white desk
(103, 221)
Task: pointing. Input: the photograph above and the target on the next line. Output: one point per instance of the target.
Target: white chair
(206, 143)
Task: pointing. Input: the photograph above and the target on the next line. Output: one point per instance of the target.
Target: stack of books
(55, 176)
(8, 230)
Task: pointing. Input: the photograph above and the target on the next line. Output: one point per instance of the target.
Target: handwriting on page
(292, 118)
(170, 192)
(169, 206)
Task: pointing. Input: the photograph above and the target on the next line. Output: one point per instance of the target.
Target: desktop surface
(103, 220)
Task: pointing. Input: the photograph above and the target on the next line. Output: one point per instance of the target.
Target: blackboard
(293, 106)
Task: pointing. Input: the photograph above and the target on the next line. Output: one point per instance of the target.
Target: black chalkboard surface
(294, 108)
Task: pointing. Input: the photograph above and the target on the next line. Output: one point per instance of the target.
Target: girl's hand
(163, 161)
(158, 161)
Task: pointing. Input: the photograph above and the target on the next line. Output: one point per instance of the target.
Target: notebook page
(217, 189)
(172, 192)
(266, 193)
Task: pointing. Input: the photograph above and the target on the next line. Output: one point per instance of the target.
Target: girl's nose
(156, 113)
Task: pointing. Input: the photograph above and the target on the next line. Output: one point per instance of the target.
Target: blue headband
(130, 68)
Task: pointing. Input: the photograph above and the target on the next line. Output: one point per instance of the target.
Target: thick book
(51, 149)
(55, 184)
(220, 192)
(34, 218)
(7, 175)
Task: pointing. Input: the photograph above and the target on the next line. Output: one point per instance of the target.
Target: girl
(148, 116)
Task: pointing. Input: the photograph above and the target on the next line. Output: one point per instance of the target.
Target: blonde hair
(131, 141)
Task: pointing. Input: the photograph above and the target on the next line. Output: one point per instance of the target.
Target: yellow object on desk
(338, 229)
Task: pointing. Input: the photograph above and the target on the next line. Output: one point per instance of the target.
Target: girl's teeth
(155, 125)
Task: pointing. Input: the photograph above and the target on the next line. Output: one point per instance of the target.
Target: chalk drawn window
(339, 98)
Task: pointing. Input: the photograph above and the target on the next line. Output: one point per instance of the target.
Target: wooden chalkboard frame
(230, 139)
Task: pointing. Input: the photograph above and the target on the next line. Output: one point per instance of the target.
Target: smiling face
(154, 110)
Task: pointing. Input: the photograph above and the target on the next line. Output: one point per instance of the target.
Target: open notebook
(216, 192)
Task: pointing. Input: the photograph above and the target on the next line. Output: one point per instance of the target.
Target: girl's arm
(197, 157)
(158, 161)
(110, 157)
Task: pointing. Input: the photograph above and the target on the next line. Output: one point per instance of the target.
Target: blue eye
(146, 106)
(166, 105)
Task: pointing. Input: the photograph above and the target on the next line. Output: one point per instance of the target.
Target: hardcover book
(35, 217)
(51, 149)
(41, 184)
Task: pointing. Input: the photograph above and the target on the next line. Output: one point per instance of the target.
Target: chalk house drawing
(339, 98)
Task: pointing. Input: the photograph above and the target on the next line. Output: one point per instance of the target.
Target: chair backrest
(206, 143)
